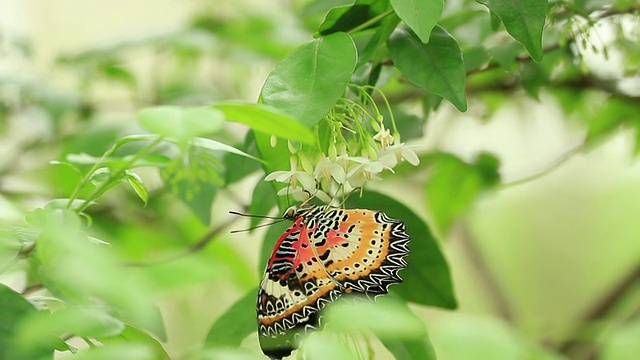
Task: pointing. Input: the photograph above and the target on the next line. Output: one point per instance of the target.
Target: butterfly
(327, 252)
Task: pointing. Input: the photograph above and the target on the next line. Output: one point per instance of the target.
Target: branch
(557, 46)
(600, 310)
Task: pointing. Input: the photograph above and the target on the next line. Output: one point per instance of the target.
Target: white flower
(332, 169)
(293, 177)
(364, 170)
(393, 155)
(384, 136)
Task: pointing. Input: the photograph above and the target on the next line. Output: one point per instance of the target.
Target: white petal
(307, 181)
(338, 173)
(388, 159)
(285, 176)
(374, 167)
(410, 156)
(274, 175)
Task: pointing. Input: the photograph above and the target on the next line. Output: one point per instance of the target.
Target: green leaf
(195, 178)
(621, 342)
(136, 137)
(454, 184)
(483, 338)
(421, 16)
(115, 162)
(347, 18)
(436, 67)
(101, 175)
(523, 19)
(137, 185)
(505, 53)
(375, 49)
(427, 279)
(308, 83)
(267, 120)
(609, 117)
(11, 242)
(276, 158)
(213, 145)
(181, 124)
(120, 350)
(393, 318)
(137, 338)
(238, 322)
(76, 270)
(475, 57)
(314, 347)
(15, 309)
(410, 349)
(262, 201)
(399, 329)
(76, 320)
(237, 168)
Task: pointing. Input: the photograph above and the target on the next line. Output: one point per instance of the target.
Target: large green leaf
(523, 19)
(436, 67)
(235, 324)
(237, 168)
(13, 310)
(427, 279)
(410, 347)
(267, 120)
(181, 124)
(399, 329)
(276, 158)
(454, 184)
(195, 178)
(262, 201)
(421, 16)
(307, 84)
(75, 269)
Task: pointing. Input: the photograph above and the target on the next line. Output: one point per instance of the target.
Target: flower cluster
(354, 153)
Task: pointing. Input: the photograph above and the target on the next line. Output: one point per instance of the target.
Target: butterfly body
(326, 253)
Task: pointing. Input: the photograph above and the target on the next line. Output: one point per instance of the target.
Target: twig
(199, 245)
(485, 275)
(556, 163)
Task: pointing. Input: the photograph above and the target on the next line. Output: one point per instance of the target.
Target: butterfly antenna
(311, 196)
(346, 197)
(255, 216)
(256, 227)
(288, 198)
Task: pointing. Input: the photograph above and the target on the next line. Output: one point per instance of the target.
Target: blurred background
(537, 260)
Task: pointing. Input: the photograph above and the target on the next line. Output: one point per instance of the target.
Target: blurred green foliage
(91, 263)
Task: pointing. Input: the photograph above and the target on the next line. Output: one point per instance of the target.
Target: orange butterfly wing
(327, 252)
